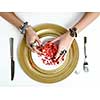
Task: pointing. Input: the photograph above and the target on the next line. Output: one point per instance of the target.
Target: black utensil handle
(11, 46)
(12, 69)
(85, 40)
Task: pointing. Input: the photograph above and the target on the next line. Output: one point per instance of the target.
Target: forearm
(86, 20)
(12, 18)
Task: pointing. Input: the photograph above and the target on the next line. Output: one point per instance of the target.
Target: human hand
(31, 37)
(64, 43)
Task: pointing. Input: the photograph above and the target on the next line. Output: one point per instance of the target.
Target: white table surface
(90, 79)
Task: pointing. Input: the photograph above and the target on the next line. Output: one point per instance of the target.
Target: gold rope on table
(48, 76)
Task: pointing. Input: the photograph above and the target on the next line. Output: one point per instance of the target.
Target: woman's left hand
(64, 43)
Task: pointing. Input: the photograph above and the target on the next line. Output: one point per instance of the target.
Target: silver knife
(12, 58)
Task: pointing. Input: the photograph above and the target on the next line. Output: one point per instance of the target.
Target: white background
(82, 86)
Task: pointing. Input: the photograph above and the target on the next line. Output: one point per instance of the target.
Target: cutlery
(85, 64)
(12, 58)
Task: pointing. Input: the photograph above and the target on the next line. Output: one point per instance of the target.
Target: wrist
(70, 38)
(28, 28)
(77, 27)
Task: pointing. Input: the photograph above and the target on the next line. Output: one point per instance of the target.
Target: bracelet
(23, 27)
(73, 32)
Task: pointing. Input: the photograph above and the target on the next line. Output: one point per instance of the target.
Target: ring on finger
(34, 44)
(63, 52)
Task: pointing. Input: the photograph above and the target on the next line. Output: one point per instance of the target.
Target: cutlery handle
(12, 69)
(85, 41)
(11, 47)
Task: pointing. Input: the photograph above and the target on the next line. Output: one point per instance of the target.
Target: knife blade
(11, 56)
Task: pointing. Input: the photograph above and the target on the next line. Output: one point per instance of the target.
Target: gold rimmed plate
(32, 65)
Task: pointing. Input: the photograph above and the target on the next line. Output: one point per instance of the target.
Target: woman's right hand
(32, 37)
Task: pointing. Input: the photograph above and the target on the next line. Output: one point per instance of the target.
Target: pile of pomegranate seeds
(49, 51)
